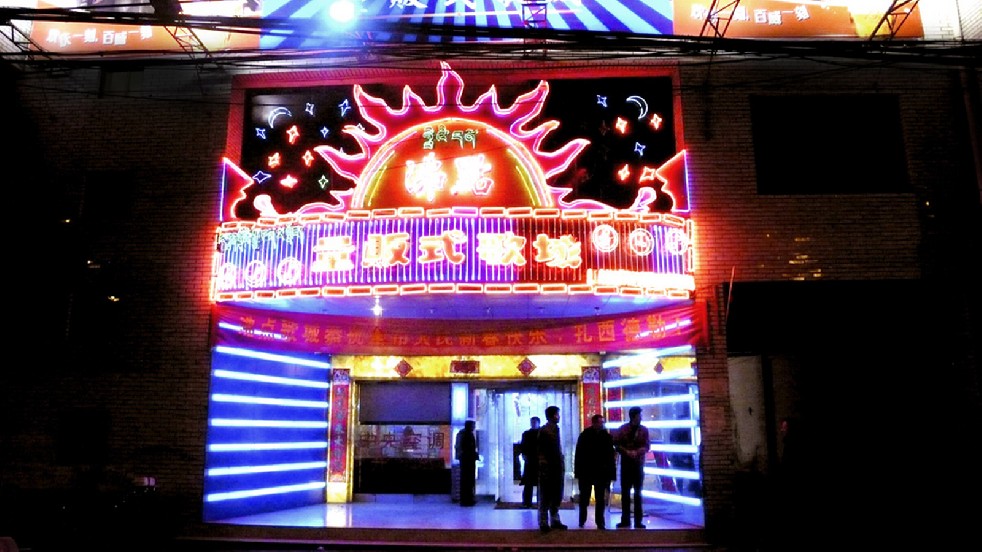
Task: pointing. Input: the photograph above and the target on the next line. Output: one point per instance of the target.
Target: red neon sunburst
(450, 154)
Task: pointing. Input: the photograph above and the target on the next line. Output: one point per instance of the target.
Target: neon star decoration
(655, 121)
(293, 133)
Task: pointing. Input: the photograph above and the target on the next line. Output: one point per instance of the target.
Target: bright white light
(377, 309)
(342, 11)
(674, 374)
(664, 399)
(647, 356)
(458, 402)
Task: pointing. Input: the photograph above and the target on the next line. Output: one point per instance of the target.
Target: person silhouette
(466, 452)
(595, 466)
(530, 456)
(552, 471)
(632, 442)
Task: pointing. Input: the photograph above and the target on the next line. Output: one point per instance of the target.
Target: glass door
(510, 409)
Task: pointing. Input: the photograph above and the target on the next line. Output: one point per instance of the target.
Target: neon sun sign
(450, 198)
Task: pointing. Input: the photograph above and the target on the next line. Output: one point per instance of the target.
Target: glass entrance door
(510, 408)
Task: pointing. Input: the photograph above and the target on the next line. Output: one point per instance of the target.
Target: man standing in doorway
(595, 466)
(632, 443)
(466, 452)
(530, 456)
(552, 471)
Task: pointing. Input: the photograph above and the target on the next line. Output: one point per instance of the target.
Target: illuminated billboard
(569, 186)
(307, 24)
(64, 37)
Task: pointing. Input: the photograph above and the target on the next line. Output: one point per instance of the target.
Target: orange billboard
(797, 19)
(75, 37)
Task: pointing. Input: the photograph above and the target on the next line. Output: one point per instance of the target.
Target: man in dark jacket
(595, 466)
(466, 453)
(530, 455)
(633, 443)
(552, 472)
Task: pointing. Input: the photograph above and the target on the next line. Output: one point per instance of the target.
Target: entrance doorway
(510, 405)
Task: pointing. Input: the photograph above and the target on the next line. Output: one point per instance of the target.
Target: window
(828, 144)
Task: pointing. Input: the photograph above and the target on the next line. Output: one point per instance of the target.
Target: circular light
(642, 242)
(342, 11)
(605, 238)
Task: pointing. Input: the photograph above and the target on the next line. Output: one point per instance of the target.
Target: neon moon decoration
(455, 198)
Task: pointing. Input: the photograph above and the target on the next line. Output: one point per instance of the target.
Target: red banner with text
(671, 326)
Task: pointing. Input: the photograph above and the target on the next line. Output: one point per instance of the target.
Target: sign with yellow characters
(561, 186)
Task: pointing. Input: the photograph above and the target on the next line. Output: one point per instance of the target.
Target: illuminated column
(591, 394)
(338, 483)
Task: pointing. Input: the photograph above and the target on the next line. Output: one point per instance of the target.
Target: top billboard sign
(298, 23)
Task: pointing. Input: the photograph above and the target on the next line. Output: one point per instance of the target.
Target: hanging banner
(290, 331)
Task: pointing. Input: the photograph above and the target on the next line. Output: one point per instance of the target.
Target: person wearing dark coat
(466, 453)
(633, 442)
(552, 472)
(528, 449)
(595, 466)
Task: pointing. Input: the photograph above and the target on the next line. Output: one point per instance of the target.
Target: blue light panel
(267, 432)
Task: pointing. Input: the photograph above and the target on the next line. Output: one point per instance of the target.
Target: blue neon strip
(245, 376)
(667, 376)
(251, 447)
(226, 422)
(682, 449)
(681, 474)
(672, 498)
(271, 468)
(646, 356)
(271, 357)
(243, 399)
(217, 497)
(664, 399)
